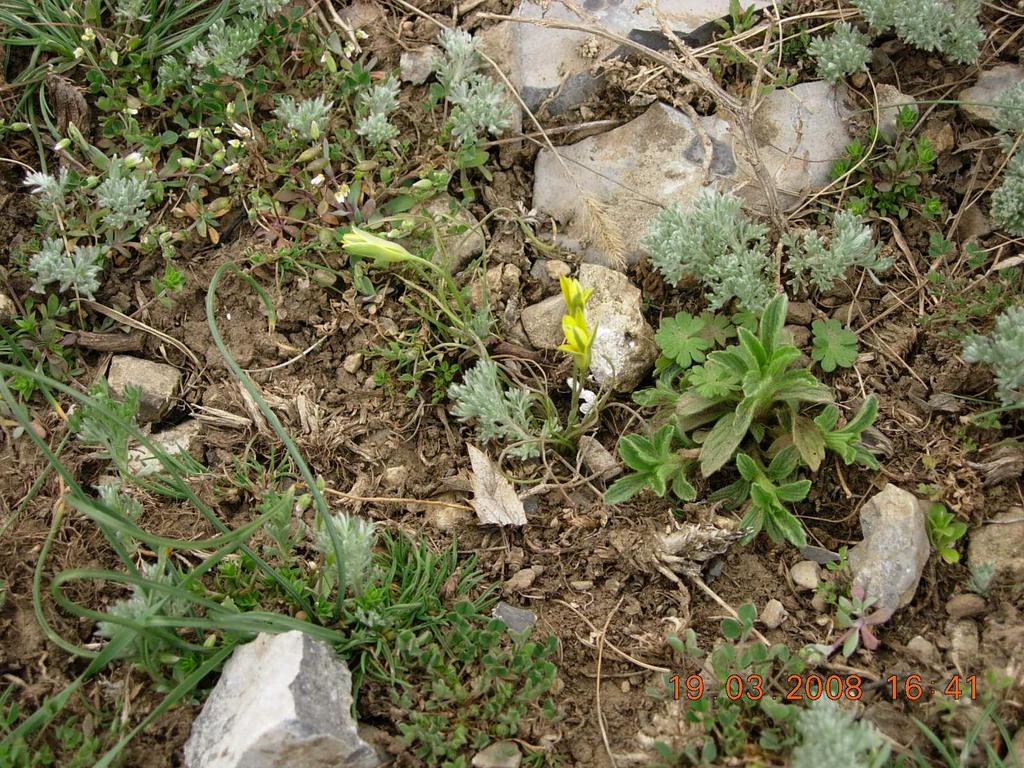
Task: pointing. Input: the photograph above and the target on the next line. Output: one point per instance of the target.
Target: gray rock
(978, 101)
(800, 132)
(543, 322)
(963, 642)
(888, 563)
(624, 350)
(924, 651)
(461, 237)
(553, 66)
(773, 614)
(159, 384)
(417, 65)
(1000, 542)
(281, 700)
(353, 362)
(890, 101)
(806, 574)
(800, 335)
(500, 754)
(607, 188)
(516, 619)
(965, 606)
(597, 459)
(447, 518)
(184, 438)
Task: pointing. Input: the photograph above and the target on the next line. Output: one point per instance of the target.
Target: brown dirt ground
(353, 432)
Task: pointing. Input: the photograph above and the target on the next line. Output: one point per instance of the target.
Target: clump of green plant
(306, 118)
(377, 103)
(890, 181)
(715, 242)
(480, 106)
(833, 345)
(980, 580)
(949, 27)
(508, 413)
(35, 341)
(831, 737)
(851, 245)
(842, 53)
(944, 531)
(1003, 349)
(449, 708)
(1008, 199)
(754, 402)
(738, 693)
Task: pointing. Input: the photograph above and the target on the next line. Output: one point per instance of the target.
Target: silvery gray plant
(842, 53)
(480, 105)
(1003, 349)
(306, 118)
(376, 104)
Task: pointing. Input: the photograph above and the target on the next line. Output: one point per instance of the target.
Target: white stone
(624, 350)
(888, 563)
(353, 362)
(608, 188)
(500, 754)
(806, 574)
(773, 614)
(184, 438)
(159, 384)
(417, 65)
(978, 102)
(597, 459)
(282, 700)
(554, 65)
(963, 640)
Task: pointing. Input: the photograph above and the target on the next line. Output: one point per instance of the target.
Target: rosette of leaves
(747, 404)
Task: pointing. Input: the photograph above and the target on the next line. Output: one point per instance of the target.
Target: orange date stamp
(810, 687)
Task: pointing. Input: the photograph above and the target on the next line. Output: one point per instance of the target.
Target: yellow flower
(574, 294)
(382, 251)
(579, 336)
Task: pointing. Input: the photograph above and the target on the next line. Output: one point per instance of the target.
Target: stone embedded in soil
(500, 754)
(963, 641)
(801, 131)
(281, 700)
(159, 384)
(806, 574)
(517, 620)
(597, 459)
(7, 308)
(353, 362)
(459, 231)
(608, 188)
(978, 102)
(553, 66)
(773, 614)
(888, 563)
(624, 350)
(446, 518)
(924, 651)
(416, 65)
(543, 322)
(1000, 542)
(799, 313)
(184, 438)
(965, 606)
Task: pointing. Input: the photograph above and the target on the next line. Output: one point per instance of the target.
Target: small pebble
(521, 579)
(353, 362)
(773, 614)
(965, 606)
(923, 650)
(806, 574)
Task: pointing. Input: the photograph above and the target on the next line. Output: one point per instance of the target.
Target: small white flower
(317, 180)
(588, 399)
(233, 168)
(89, 35)
(133, 159)
(241, 131)
(79, 52)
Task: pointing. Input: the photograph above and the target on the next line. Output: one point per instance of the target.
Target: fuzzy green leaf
(834, 346)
